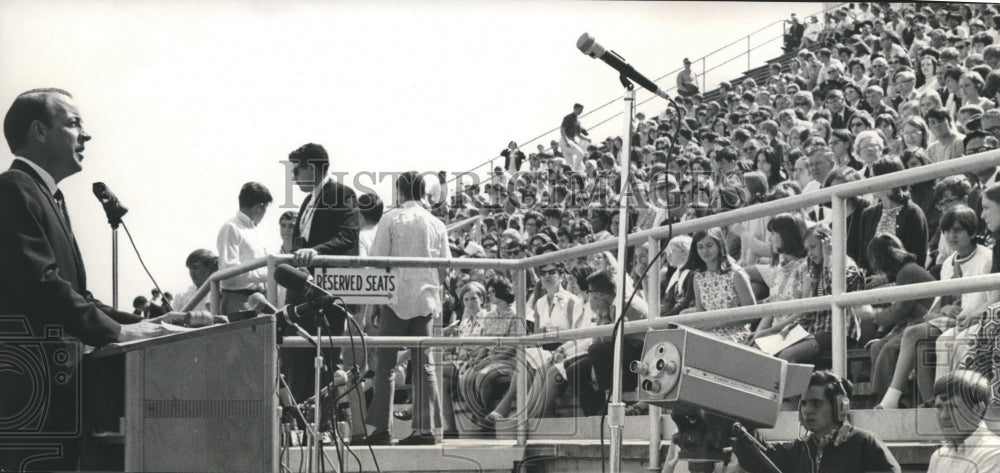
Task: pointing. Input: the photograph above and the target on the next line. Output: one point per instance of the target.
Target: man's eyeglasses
(546, 272)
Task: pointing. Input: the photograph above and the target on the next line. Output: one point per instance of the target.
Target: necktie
(61, 202)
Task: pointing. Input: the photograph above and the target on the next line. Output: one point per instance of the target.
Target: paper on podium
(177, 328)
(773, 344)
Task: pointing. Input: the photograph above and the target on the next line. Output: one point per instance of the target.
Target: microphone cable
(355, 385)
(168, 307)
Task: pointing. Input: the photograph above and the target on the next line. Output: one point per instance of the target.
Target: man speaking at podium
(42, 278)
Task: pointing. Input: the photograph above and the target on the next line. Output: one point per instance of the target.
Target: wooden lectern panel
(203, 400)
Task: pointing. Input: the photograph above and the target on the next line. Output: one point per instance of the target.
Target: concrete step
(453, 456)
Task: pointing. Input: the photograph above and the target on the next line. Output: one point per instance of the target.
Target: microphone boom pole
(616, 409)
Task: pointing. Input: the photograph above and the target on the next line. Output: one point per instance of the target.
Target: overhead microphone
(589, 46)
(113, 207)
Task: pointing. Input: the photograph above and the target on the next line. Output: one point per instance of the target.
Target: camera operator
(832, 443)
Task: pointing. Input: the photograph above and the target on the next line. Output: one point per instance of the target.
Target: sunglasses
(546, 272)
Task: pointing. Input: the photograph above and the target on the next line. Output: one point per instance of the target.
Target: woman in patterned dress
(719, 283)
(818, 281)
(476, 322)
(785, 233)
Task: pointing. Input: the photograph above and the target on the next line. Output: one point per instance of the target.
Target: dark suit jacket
(335, 224)
(43, 284)
(840, 120)
(334, 230)
(41, 270)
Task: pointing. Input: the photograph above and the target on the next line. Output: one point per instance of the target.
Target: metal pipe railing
(699, 320)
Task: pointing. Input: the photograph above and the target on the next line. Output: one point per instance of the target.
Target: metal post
(653, 296)
(272, 287)
(521, 373)
(114, 267)
(839, 284)
(748, 53)
(317, 404)
(215, 297)
(616, 409)
(704, 87)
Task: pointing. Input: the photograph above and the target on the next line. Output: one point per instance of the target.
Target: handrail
(462, 223)
(817, 197)
(700, 320)
(662, 77)
(919, 174)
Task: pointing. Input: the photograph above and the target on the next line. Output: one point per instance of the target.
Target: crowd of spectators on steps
(871, 90)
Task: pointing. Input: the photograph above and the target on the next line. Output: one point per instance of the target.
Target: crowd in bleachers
(870, 90)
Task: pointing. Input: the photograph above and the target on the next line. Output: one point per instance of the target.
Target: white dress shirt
(239, 243)
(411, 231)
(561, 311)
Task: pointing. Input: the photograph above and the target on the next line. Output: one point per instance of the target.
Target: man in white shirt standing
(410, 231)
(239, 243)
(961, 398)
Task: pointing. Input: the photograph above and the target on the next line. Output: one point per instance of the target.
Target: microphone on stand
(113, 207)
(318, 301)
(299, 281)
(589, 46)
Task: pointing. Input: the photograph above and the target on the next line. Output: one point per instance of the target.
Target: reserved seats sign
(359, 285)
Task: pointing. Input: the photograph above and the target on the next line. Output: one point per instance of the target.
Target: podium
(200, 400)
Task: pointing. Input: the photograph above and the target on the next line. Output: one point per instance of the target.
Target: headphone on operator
(840, 405)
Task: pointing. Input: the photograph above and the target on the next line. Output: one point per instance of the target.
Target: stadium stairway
(759, 74)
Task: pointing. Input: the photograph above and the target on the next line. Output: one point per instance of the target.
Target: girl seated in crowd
(958, 226)
(888, 256)
(719, 283)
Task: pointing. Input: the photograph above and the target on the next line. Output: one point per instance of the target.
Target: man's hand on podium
(141, 330)
(194, 318)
